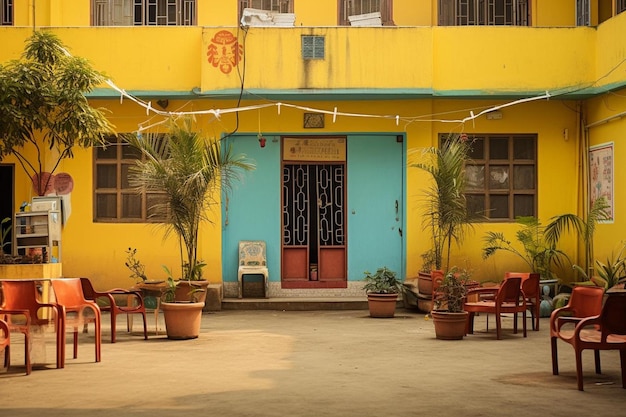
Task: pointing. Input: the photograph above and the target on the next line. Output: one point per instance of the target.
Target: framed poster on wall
(601, 175)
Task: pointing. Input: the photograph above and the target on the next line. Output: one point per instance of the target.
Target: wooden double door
(314, 225)
(342, 214)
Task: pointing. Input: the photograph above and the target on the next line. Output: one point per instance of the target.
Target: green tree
(445, 212)
(43, 105)
(189, 171)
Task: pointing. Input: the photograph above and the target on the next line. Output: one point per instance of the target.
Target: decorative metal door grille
(313, 204)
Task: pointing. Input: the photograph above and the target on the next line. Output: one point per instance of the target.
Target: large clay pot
(182, 320)
(424, 283)
(382, 305)
(449, 326)
(184, 288)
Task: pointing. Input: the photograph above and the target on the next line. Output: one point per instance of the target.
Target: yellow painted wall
(609, 111)
(552, 13)
(447, 60)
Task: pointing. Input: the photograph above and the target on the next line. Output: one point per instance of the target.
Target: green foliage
(169, 292)
(584, 227)
(536, 251)
(189, 171)
(607, 274)
(43, 105)
(445, 212)
(384, 281)
(452, 291)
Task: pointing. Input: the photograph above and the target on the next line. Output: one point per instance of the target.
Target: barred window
(484, 12)
(114, 200)
(278, 6)
(143, 12)
(349, 8)
(6, 13)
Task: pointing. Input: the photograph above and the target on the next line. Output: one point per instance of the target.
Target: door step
(295, 303)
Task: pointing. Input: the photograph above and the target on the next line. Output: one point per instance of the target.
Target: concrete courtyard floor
(312, 363)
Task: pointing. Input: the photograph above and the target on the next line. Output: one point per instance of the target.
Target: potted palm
(382, 290)
(187, 171)
(445, 206)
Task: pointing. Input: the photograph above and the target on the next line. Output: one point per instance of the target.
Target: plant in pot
(445, 214)
(382, 290)
(537, 251)
(448, 315)
(186, 173)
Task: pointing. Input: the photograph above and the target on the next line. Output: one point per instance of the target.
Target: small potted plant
(382, 290)
(450, 292)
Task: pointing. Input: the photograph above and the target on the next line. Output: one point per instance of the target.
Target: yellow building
(345, 95)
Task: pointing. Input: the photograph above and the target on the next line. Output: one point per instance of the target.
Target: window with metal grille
(502, 177)
(278, 6)
(114, 199)
(313, 47)
(583, 12)
(620, 6)
(6, 13)
(484, 12)
(143, 12)
(349, 8)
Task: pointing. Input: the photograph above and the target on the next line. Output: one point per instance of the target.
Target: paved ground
(314, 363)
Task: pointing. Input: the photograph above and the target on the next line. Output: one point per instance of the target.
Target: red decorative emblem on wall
(224, 51)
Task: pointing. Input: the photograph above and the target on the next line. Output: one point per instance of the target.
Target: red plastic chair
(72, 306)
(532, 292)
(584, 302)
(606, 331)
(508, 298)
(133, 304)
(21, 309)
(5, 344)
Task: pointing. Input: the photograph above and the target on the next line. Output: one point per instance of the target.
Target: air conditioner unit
(257, 17)
(367, 19)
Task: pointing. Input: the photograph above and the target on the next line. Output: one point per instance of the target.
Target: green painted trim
(347, 94)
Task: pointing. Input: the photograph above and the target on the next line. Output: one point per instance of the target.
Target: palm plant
(607, 274)
(445, 211)
(584, 227)
(538, 252)
(189, 171)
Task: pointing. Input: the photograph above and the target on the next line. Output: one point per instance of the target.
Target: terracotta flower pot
(382, 305)
(449, 326)
(182, 320)
(184, 288)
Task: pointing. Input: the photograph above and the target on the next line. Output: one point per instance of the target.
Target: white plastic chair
(252, 261)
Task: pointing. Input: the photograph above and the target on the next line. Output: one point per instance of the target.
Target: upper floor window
(114, 199)
(484, 12)
(502, 180)
(276, 6)
(583, 13)
(355, 8)
(143, 12)
(6, 14)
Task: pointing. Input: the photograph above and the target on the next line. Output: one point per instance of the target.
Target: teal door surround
(374, 206)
